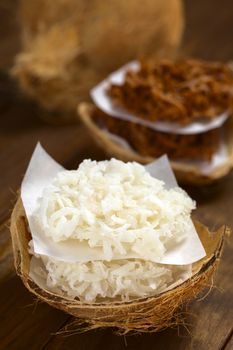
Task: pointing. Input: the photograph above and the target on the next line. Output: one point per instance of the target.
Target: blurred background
(208, 30)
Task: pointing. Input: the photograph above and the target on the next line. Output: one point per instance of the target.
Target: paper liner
(188, 172)
(142, 315)
(40, 173)
(104, 102)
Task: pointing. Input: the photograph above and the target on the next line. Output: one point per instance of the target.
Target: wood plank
(86, 341)
(6, 257)
(25, 323)
(22, 317)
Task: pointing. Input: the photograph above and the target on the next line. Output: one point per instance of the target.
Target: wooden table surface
(27, 323)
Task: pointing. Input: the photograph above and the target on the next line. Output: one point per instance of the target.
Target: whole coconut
(70, 45)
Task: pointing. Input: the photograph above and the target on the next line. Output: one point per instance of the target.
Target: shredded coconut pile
(121, 209)
(117, 206)
(119, 279)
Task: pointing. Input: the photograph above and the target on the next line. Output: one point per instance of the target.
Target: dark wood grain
(6, 257)
(27, 324)
(24, 321)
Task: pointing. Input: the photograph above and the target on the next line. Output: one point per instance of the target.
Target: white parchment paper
(39, 175)
(105, 103)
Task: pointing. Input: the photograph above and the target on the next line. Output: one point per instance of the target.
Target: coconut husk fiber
(69, 46)
(141, 315)
(184, 172)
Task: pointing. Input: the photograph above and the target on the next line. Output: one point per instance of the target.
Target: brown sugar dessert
(182, 91)
(149, 142)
